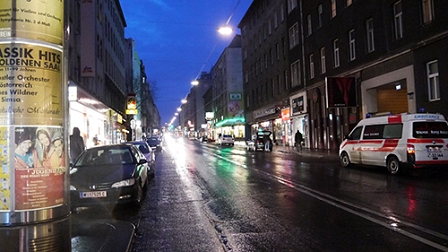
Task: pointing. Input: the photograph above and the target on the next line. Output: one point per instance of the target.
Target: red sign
(285, 114)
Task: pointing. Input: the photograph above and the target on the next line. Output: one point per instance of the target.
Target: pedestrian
(298, 140)
(76, 144)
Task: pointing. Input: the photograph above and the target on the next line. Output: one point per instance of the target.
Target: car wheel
(345, 160)
(393, 165)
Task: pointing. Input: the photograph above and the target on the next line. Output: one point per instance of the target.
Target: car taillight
(410, 149)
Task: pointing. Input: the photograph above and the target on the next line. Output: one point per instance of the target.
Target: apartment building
(348, 59)
(266, 72)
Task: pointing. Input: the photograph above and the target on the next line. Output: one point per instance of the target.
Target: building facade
(101, 71)
(266, 71)
(345, 60)
(228, 93)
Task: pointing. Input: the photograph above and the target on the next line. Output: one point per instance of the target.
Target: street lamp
(225, 30)
(194, 82)
(184, 101)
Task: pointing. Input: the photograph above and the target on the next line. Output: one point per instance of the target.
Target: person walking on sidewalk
(298, 140)
(76, 144)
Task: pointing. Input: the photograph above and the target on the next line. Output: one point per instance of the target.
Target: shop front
(96, 121)
(268, 119)
(234, 127)
(299, 118)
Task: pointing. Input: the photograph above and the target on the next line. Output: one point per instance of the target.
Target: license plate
(98, 194)
(435, 153)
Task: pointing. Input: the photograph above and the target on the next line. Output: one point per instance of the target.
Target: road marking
(392, 223)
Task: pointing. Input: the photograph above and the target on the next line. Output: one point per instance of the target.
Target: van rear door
(429, 143)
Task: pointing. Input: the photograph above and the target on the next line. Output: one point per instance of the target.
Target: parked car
(155, 143)
(108, 175)
(149, 154)
(260, 141)
(226, 139)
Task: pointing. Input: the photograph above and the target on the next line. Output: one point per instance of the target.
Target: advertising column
(34, 179)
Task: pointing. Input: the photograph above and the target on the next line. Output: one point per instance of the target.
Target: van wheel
(393, 165)
(345, 160)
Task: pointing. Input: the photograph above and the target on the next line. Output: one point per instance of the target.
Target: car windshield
(105, 156)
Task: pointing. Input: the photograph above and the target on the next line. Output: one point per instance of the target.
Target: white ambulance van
(397, 142)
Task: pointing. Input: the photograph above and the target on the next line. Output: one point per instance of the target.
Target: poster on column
(39, 166)
(32, 19)
(31, 109)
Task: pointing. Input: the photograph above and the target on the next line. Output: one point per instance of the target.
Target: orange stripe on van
(388, 145)
(394, 119)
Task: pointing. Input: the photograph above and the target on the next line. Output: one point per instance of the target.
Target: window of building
(286, 81)
(266, 60)
(311, 66)
(428, 10)
(293, 36)
(398, 21)
(323, 66)
(277, 51)
(275, 19)
(370, 37)
(295, 74)
(279, 83)
(284, 46)
(282, 12)
(310, 28)
(336, 53)
(270, 27)
(292, 4)
(333, 8)
(319, 16)
(432, 69)
(351, 41)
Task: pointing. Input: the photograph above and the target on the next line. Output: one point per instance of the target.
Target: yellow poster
(5, 185)
(30, 85)
(32, 19)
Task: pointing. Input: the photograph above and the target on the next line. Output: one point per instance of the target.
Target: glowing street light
(184, 101)
(194, 82)
(225, 30)
(179, 109)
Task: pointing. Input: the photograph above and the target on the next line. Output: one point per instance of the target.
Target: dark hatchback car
(155, 143)
(108, 175)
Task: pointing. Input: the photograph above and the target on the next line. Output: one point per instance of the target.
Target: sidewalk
(100, 235)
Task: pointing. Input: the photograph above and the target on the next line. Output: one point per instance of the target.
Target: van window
(392, 131)
(373, 132)
(356, 134)
(383, 131)
(430, 130)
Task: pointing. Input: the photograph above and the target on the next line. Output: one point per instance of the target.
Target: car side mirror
(143, 161)
(348, 137)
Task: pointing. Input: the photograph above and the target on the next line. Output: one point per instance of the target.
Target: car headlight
(127, 182)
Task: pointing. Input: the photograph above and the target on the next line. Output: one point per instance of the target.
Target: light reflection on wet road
(285, 202)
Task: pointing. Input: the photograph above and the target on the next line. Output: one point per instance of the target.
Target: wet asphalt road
(211, 198)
